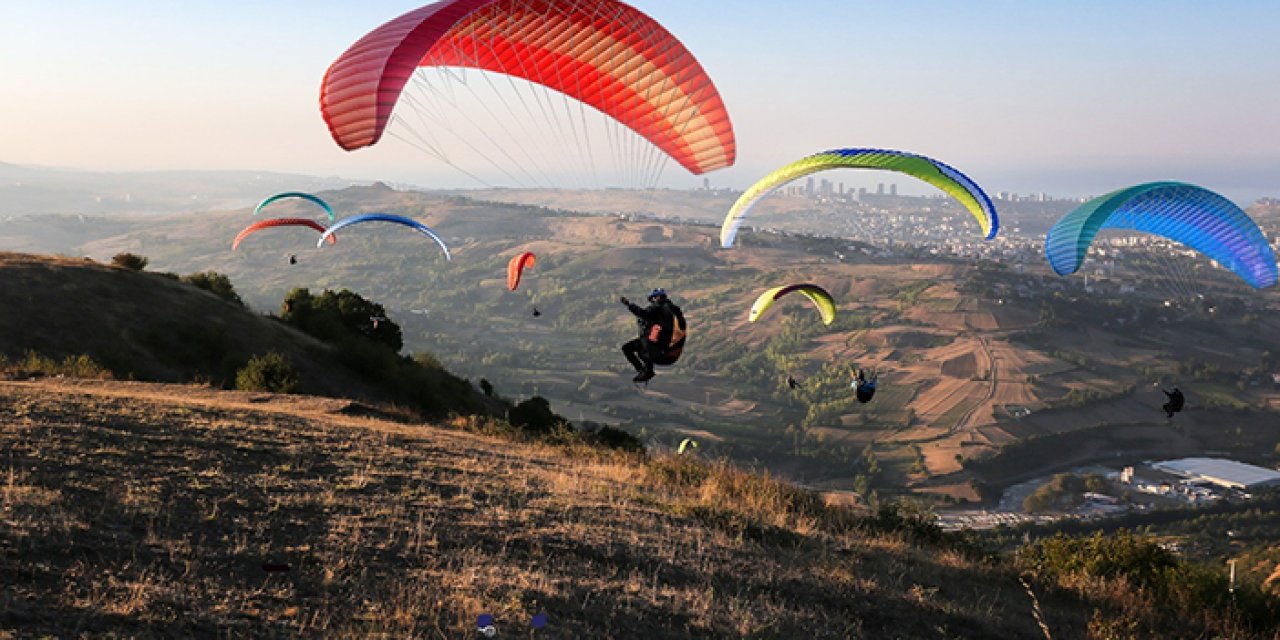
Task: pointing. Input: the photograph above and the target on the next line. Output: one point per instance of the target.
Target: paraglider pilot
(662, 333)
(865, 388)
(1175, 403)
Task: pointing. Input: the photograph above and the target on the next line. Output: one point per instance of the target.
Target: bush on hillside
(215, 283)
(272, 373)
(36, 364)
(1124, 562)
(917, 523)
(334, 316)
(369, 344)
(535, 415)
(612, 438)
(129, 261)
(346, 321)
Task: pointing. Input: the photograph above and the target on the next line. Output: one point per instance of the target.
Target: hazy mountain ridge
(26, 191)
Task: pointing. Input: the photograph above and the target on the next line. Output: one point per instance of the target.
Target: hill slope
(149, 326)
(149, 510)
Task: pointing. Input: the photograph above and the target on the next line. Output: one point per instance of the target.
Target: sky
(1071, 98)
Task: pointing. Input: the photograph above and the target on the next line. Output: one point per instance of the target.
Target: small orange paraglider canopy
(515, 268)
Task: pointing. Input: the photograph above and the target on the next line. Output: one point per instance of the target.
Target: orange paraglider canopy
(515, 268)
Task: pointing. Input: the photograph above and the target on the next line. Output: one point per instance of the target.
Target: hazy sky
(1068, 97)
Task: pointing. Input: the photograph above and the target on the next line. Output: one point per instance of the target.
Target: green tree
(1095, 483)
(332, 316)
(215, 283)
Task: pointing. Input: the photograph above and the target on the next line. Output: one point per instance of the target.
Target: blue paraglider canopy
(387, 217)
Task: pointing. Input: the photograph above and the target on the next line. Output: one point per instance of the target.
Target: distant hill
(44, 191)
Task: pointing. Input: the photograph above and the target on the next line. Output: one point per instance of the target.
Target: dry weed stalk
(1035, 607)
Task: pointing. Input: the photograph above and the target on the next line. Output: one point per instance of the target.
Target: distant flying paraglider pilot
(865, 388)
(536, 313)
(293, 259)
(662, 334)
(792, 382)
(1175, 403)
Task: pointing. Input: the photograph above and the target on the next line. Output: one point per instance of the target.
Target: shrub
(1161, 581)
(271, 372)
(535, 415)
(129, 261)
(428, 361)
(617, 439)
(35, 364)
(215, 283)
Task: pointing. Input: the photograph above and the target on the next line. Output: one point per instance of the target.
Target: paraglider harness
(664, 337)
(865, 389)
(1176, 402)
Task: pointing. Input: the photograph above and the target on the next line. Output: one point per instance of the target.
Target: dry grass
(133, 513)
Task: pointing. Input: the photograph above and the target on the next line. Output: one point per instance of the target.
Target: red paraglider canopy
(516, 268)
(601, 52)
(278, 222)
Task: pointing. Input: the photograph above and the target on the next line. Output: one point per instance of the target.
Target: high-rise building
(880, 189)
(706, 184)
(893, 189)
(841, 188)
(808, 190)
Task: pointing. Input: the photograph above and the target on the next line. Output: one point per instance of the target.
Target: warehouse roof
(1221, 472)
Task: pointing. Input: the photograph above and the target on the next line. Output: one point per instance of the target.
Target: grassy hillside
(148, 511)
